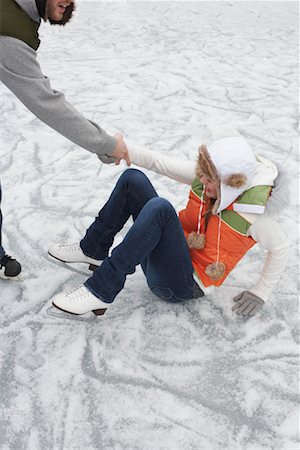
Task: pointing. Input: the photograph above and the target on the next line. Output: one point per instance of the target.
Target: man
(21, 73)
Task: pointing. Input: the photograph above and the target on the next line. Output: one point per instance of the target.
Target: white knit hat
(231, 162)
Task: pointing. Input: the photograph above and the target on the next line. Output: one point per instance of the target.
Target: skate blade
(67, 265)
(52, 311)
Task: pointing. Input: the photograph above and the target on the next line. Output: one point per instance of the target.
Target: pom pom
(196, 240)
(215, 271)
(236, 180)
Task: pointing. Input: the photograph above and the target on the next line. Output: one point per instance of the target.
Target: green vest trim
(258, 196)
(14, 22)
(197, 187)
(235, 221)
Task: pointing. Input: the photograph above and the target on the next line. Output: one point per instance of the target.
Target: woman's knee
(161, 205)
(134, 177)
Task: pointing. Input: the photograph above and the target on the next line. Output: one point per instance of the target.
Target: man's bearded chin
(66, 16)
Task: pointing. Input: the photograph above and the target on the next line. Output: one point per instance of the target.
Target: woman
(182, 255)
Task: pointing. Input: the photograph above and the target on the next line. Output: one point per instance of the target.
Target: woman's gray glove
(247, 304)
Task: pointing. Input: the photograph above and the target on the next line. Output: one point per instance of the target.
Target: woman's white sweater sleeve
(182, 170)
(271, 236)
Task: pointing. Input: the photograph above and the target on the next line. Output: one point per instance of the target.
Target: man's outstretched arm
(21, 73)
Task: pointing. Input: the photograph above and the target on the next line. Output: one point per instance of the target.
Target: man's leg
(9, 267)
(156, 240)
(2, 252)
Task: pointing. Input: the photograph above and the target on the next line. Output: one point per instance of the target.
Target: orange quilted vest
(234, 242)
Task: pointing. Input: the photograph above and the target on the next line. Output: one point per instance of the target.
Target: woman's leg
(131, 193)
(156, 240)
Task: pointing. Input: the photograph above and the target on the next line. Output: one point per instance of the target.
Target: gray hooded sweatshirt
(21, 73)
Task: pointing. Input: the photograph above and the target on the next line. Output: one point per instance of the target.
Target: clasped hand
(121, 151)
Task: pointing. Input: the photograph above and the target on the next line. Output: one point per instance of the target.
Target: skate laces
(70, 247)
(78, 293)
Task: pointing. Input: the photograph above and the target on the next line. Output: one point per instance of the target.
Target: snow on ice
(149, 375)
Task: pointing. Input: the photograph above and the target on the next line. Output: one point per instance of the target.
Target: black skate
(10, 268)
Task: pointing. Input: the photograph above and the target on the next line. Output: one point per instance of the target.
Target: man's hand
(121, 152)
(247, 304)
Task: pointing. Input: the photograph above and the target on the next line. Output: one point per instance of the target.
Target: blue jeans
(2, 252)
(155, 240)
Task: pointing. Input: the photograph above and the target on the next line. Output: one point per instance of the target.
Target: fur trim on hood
(232, 164)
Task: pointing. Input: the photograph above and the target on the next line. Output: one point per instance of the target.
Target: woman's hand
(247, 304)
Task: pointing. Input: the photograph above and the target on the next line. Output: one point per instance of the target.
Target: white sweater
(264, 228)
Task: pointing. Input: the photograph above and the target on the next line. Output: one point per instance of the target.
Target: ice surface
(149, 375)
